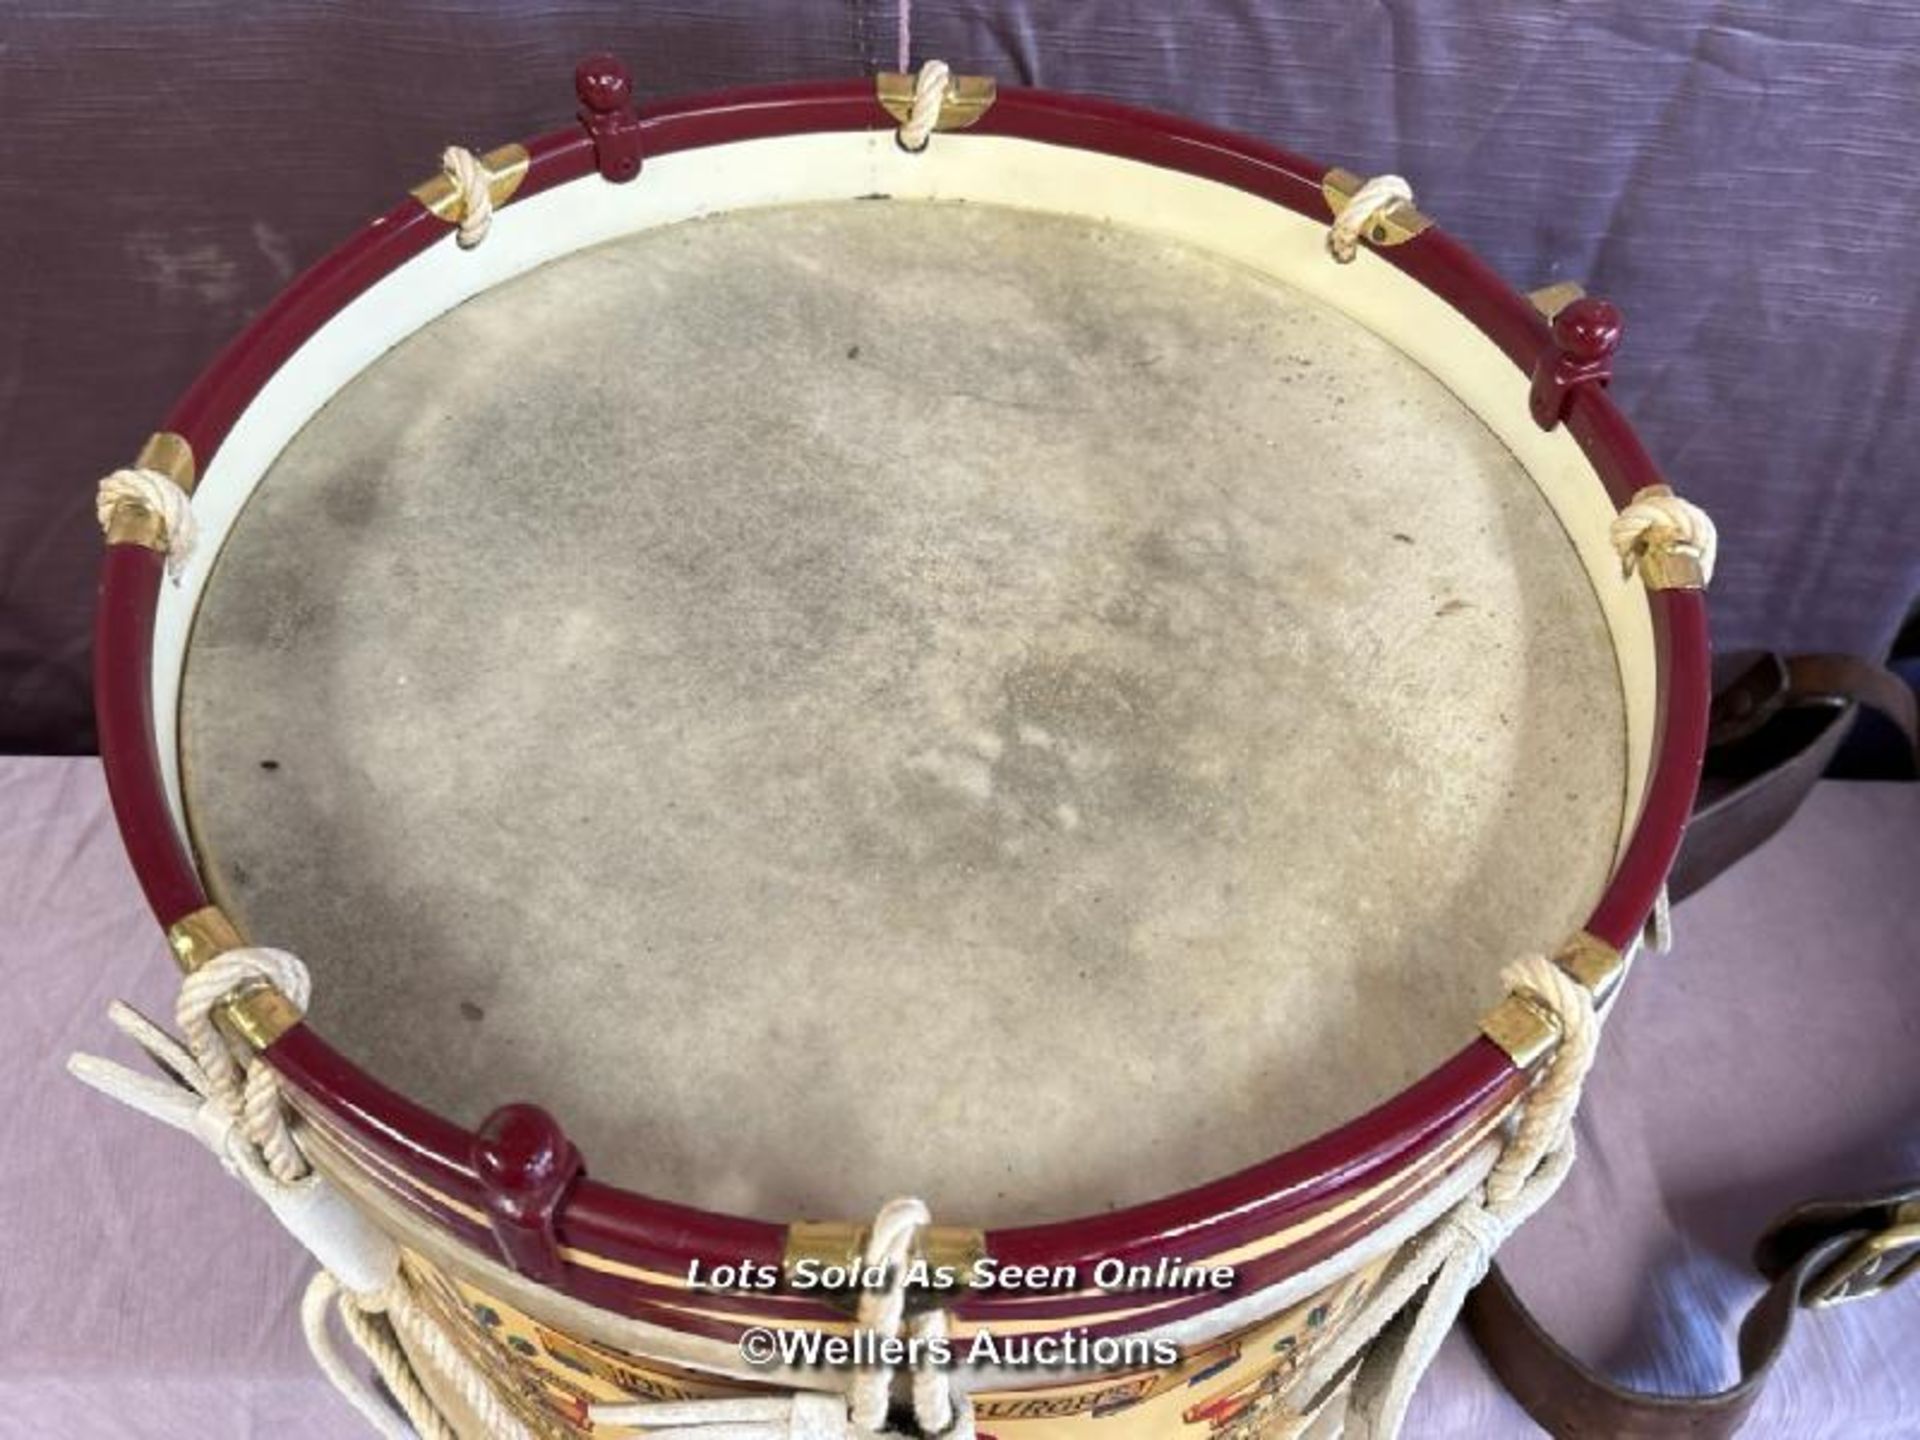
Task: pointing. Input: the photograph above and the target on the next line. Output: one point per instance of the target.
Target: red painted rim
(1261, 1200)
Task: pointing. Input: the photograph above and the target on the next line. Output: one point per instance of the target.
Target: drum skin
(886, 679)
(619, 1255)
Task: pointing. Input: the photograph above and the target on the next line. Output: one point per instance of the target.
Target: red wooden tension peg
(1585, 335)
(526, 1165)
(605, 88)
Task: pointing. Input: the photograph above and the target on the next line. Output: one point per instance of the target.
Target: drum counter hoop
(897, 639)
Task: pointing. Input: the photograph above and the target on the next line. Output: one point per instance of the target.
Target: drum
(976, 662)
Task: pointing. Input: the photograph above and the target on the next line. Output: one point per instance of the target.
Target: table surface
(1772, 1057)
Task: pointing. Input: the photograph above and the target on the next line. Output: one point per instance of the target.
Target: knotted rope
(472, 179)
(1545, 1125)
(815, 1415)
(1379, 194)
(158, 493)
(251, 1093)
(1658, 519)
(890, 1245)
(929, 93)
(236, 1111)
(1408, 1316)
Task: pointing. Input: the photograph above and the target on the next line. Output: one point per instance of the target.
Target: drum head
(873, 698)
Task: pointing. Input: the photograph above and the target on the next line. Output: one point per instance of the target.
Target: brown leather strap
(1775, 726)
(1849, 677)
(1823, 1251)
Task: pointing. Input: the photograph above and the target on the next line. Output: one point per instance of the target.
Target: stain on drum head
(849, 700)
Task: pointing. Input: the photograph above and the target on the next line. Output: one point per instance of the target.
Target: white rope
(934, 1409)
(1379, 194)
(472, 179)
(1409, 1314)
(1656, 518)
(889, 1244)
(158, 493)
(813, 1415)
(376, 1321)
(929, 92)
(236, 1111)
(1545, 1124)
(443, 1354)
(904, 37)
(250, 1094)
(323, 1298)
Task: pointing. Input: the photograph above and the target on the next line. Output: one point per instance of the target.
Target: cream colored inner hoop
(860, 698)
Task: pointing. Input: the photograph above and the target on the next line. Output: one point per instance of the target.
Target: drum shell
(403, 1158)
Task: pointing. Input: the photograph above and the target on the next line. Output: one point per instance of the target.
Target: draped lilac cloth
(1737, 174)
(1774, 1056)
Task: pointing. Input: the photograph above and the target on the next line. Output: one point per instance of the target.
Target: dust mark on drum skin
(288, 606)
(1079, 751)
(1192, 582)
(750, 608)
(353, 500)
(401, 924)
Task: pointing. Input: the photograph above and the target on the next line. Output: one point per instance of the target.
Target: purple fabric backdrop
(1738, 176)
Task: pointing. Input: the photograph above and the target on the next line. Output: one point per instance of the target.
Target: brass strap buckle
(1872, 1265)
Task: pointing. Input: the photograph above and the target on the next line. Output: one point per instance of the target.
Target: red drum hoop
(617, 1246)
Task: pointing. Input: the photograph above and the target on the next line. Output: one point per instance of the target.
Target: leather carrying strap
(1775, 726)
(1819, 1253)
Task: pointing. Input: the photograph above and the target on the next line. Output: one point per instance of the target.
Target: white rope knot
(472, 179)
(156, 492)
(236, 1111)
(1414, 1306)
(1478, 1233)
(929, 93)
(812, 1415)
(1657, 519)
(1374, 197)
(890, 1246)
(251, 1093)
(1545, 1122)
